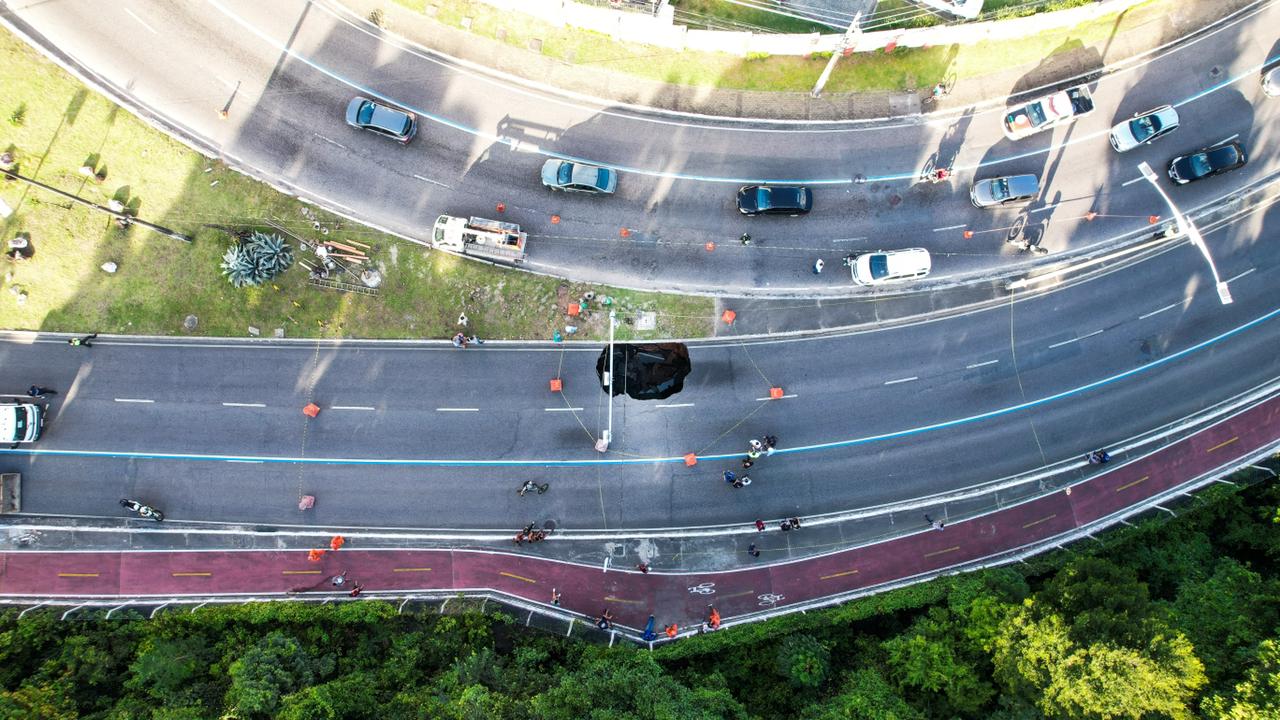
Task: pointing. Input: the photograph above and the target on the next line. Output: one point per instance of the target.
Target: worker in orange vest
(672, 630)
(714, 620)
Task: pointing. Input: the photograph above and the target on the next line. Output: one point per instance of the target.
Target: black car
(790, 200)
(396, 124)
(1207, 162)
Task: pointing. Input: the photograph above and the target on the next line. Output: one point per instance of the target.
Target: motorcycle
(145, 511)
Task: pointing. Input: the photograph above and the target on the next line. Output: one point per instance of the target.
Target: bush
(255, 260)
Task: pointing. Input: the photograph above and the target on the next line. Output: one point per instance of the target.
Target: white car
(20, 422)
(1271, 82)
(1143, 127)
(885, 266)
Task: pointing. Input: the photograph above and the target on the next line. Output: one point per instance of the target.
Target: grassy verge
(875, 71)
(718, 14)
(896, 14)
(55, 126)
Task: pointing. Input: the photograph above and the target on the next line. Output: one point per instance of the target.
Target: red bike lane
(630, 595)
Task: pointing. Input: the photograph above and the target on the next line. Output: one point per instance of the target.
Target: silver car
(576, 177)
(1144, 127)
(1271, 82)
(997, 191)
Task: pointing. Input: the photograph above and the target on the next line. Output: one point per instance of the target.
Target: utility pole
(124, 218)
(602, 444)
(845, 43)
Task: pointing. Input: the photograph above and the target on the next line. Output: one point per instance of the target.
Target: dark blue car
(790, 200)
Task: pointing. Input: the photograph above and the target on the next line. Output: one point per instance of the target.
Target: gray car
(366, 114)
(576, 177)
(1005, 190)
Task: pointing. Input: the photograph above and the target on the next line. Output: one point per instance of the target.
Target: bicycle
(531, 485)
(940, 90)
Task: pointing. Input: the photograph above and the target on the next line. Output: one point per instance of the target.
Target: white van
(20, 422)
(887, 266)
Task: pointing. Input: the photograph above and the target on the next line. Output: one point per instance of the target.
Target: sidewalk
(756, 589)
(1183, 17)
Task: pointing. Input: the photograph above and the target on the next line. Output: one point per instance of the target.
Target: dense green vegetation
(1170, 619)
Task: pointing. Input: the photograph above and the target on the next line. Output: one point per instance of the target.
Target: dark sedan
(1207, 162)
(368, 115)
(790, 200)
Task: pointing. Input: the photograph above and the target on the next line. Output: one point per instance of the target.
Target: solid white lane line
(1046, 208)
(1227, 140)
(981, 364)
(840, 240)
(676, 405)
(949, 227)
(901, 380)
(247, 462)
(1237, 277)
(1170, 306)
(457, 409)
(134, 400)
(1095, 332)
(1064, 342)
(351, 407)
(433, 182)
(331, 142)
(784, 397)
(1127, 183)
(140, 22)
(565, 409)
(243, 405)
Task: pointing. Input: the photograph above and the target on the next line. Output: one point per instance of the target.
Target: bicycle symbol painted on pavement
(770, 599)
(706, 588)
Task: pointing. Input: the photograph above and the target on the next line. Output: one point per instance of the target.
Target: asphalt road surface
(286, 70)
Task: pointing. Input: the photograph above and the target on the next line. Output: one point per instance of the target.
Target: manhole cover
(1215, 71)
(894, 200)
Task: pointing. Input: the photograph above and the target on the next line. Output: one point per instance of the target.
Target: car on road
(1207, 162)
(790, 200)
(886, 266)
(1004, 190)
(20, 422)
(1271, 82)
(366, 114)
(1143, 127)
(577, 177)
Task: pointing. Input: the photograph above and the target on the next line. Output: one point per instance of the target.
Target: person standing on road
(356, 590)
(643, 568)
(605, 621)
(935, 524)
(649, 635)
(36, 391)
(759, 525)
(460, 341)
(339, 579)
(817, 266)
(672, 630)
(555, 597)
(753, 551)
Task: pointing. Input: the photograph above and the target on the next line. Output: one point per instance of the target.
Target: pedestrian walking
(752, 550)
(935, 524)
(745, 239)
(605, 621)
(817, 266)
(742, 482)
(785, 526)
(794, 523)
(36, 391)
(770, 443)
(519, 539)
(649, 635)
(338, 580)
(460, 341)
(672, 630)
(555, 597)
(756, 445)
(643, 568)
(356, 590)
(747, 463)
(730, 477)
(475, 340)
(82, 341)
(753, 454)
(759, 525)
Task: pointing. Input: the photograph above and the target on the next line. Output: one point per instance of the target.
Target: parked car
(1207, 162)
(885, 266)
(576, 177)
(366, 114)
(1143, 127)
(1004, 190)
(790, 200)
(1271, 82)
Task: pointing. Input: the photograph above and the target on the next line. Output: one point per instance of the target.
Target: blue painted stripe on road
(1158, 363)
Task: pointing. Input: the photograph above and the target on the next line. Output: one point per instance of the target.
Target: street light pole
(603, 443)
(1185, 226)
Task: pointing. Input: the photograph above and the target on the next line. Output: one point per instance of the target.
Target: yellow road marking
(839, 574)
(411, 570)
(1135, 482)
(192, 574)
(77, 574)
(518, 577)
(942, 552)
(1037, 522)
(1223, 444)
(299, 572)
(610, 598)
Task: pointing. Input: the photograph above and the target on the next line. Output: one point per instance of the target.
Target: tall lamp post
(606, 437)
(1185, 226)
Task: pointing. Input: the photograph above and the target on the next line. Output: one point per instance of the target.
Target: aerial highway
(284, 73)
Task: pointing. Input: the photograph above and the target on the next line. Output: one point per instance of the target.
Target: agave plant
(255, 260)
